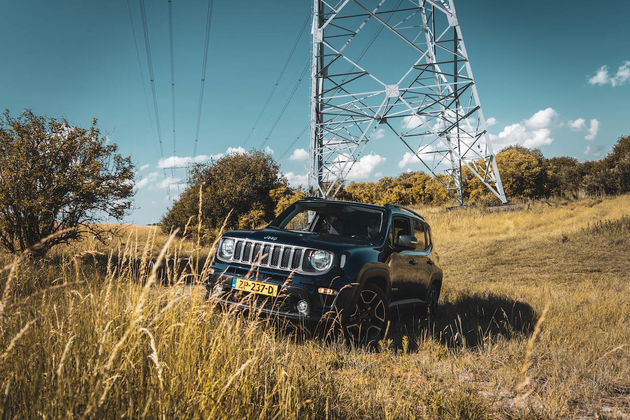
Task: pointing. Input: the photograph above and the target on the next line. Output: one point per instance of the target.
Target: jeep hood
(303, 239)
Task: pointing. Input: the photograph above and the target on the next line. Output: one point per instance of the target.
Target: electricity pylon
(416, 83)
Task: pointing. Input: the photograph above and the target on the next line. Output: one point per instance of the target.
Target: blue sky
(555, 75)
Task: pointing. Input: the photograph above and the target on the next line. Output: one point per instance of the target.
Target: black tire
(433, 296)
(367, 322)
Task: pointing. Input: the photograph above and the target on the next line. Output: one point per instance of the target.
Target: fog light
(302, 307)
(325, 291)
(217, 290)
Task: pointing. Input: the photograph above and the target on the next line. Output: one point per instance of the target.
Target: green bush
(239, 183)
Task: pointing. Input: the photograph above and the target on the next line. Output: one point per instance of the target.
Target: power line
(275, 85)
(147, 46)
(170, 35)
(139, 60)
(204, 63)
(297, 138)
(287, 102)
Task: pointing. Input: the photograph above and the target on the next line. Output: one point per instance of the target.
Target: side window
(400, 226)
(421, 232)
(299, 222)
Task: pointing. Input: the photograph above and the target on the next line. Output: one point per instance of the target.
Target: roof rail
(407, 209)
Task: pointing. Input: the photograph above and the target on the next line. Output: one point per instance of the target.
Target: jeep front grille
(268, 254)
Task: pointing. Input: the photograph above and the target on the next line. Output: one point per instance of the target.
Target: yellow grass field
(533, 322)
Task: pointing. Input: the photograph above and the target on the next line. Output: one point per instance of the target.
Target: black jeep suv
(320, 259)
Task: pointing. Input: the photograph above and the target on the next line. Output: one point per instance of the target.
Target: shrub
(240, 182)
(57, 179)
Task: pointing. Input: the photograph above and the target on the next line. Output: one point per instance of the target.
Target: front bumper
(292, 289)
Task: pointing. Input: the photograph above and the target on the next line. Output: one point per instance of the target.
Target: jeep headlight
(227, 248)
(320, 260)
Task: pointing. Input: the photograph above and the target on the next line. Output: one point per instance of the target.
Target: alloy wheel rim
(368, 319)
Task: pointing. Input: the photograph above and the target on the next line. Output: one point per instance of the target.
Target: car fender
(370, 272)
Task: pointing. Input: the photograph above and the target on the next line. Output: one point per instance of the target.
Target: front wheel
(367, 322)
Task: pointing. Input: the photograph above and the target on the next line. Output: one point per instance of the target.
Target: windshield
(335, 219)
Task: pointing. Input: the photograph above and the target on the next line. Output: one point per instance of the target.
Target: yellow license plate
(255, 287)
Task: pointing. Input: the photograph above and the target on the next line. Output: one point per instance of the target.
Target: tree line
(253, 188)
(526, 174)
(57, 181)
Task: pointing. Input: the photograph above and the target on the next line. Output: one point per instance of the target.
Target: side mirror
(407, 242)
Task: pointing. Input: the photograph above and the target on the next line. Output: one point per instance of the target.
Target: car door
(421, 257)
(402, 272)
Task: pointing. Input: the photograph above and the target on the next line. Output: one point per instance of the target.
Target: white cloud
(143, 167)
(491, 121)
(409, 158)
(592, 130)
(237, 150)
(362, 169)
(602, 77)
(623, 74)
(532, 132)
(413, 121)
(184, 161)
(296, 180)
(268, 150)
(142, 183)
(594, 151)
(578, 124)
(379, 134)
(171, 197)
(541, 119)
(299, 154)
(146, 180)
(365, 166)
(169, 182)
(519, 134)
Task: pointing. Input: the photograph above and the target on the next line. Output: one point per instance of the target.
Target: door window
(420, 231)
(400, 226)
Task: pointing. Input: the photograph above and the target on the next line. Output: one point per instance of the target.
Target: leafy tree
(57, 179)
(564, 176)
(240, 182)
(284, 196)
(522, 172)
(611, 175)
(435, 193)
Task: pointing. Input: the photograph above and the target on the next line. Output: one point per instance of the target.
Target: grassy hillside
(533, 322)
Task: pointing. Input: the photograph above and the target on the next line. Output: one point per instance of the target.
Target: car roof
(402, 211)
(340, 202)
(394, 208)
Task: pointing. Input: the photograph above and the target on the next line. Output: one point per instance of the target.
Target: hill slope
(533, 321)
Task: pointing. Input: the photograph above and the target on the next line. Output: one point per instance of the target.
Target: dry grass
(87, 334)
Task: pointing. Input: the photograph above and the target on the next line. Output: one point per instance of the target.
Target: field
(533, 322)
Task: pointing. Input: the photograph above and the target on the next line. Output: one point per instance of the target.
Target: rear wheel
(367, 322)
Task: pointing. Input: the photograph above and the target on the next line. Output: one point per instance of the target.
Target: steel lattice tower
(417, 82)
